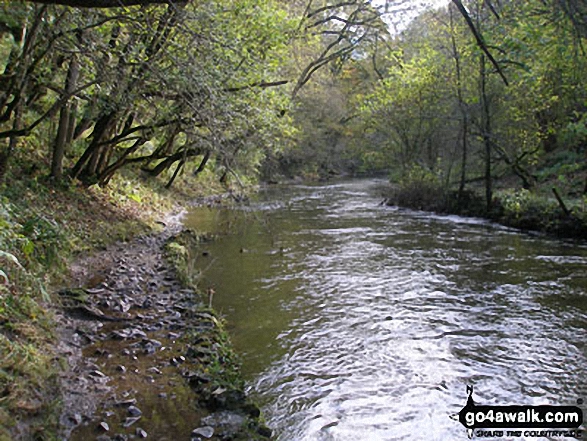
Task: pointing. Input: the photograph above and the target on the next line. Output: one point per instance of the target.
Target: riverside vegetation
(109, 118)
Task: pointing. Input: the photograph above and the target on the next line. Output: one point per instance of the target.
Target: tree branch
(106, 3)
(262, 85)
(479, 39)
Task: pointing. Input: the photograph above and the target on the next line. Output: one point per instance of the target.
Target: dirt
(145, 357)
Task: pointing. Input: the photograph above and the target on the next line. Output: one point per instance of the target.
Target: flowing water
(357, 321)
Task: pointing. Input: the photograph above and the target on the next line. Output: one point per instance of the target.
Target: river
(357, 321)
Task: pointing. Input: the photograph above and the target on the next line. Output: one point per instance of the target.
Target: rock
(197, 378)
(226, 421)
(119, 335)
(104, 426)
(76, 418)
(130, 421)
(121, 368)
(126, 403)
(226, 400)
(134, 411)
(137, 333)
(98, 374)
(265, 431)
(205, 431)
(140, 433)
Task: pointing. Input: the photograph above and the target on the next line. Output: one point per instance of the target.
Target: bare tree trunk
(109, 171)
(89, 160)
(168, 162)
(175, 173)
(463, 109)
(202, 165)
(64, 132)
(486, 129)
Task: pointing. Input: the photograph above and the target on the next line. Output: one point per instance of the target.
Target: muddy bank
(146, 355)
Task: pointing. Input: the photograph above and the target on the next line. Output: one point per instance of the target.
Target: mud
(145, 356)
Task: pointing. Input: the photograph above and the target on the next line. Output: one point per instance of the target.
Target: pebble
(104, 426)
(121, 368)
(130, 421)
(126, 402)
(205, 431)
(140, 433)
(134, 411)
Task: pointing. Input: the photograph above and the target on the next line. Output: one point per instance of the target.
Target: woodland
(464, 93)
(475, 107)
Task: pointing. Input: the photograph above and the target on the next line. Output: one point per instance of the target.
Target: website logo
(530, 421)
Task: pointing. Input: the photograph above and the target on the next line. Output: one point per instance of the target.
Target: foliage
(523, 203)
(440, 107)
(128, 89)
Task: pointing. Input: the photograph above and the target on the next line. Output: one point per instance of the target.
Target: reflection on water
(357, 321)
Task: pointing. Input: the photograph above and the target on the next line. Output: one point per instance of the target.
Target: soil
(144, 353)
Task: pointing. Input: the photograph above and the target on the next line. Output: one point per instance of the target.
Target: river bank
(516, 208)
(103, 332)
(148, 356)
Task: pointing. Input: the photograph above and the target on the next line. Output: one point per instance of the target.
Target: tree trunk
(465, 147)
(109, 171)
(65, 120)
(486, 129)
(170, 160)
(463, 109)
(175, 173)
(202, 165)
(6, 153)
(89, 159)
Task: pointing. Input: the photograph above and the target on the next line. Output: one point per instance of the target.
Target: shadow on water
(357, 321)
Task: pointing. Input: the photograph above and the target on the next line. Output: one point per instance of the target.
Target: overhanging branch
(479, 39)
(106, 3)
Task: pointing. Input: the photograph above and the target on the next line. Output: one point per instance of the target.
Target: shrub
(420, 189)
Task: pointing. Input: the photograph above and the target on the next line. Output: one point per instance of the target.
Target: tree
(131, 78)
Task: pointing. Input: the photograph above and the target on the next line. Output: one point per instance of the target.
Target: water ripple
(382, 317)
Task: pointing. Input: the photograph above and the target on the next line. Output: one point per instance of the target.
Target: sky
(399, 13)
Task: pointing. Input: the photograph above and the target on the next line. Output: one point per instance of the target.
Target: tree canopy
(470, 91)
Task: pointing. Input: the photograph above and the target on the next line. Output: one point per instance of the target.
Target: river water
(357, 321)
